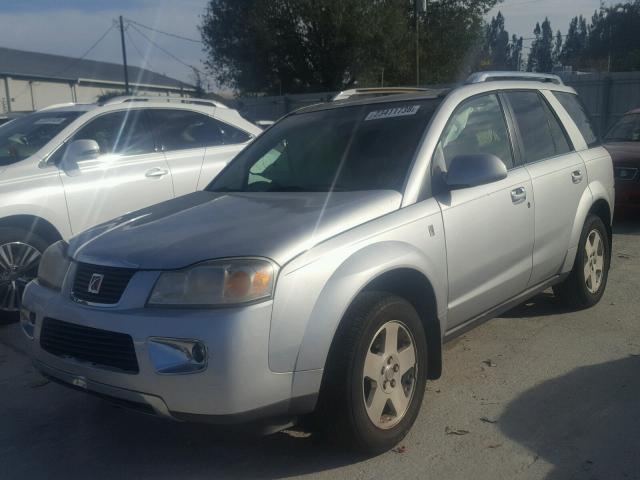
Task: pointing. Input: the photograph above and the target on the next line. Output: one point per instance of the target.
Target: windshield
(24, 136)
(364, 147)
(627, 129)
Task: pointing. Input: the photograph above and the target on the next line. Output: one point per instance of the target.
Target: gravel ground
(538, 393)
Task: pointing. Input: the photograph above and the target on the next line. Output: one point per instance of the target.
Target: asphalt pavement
(539, 393)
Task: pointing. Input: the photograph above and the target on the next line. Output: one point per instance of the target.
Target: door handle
(156, 173)
(518, 195)
(576, 176)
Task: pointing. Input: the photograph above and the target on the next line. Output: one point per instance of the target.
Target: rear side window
(183, 129)
(541, 133)
(579, 115)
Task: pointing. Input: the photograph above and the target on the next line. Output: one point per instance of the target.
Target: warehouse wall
(28, 95)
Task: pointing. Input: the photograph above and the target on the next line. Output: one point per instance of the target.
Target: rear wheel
(20, 253)
(586, 283)
(375, 377)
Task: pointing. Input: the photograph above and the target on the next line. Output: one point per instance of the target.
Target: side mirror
(77, 151)
(472, 170)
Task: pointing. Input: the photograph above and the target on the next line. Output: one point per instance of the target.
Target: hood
(208, 225)
(624, 152)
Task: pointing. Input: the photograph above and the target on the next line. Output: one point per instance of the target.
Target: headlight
(216, 283)
(54, 265)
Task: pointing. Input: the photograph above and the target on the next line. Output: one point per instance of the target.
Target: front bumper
(237, 385)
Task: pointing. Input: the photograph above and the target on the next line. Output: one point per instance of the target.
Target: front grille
(99, 347)
(114, 282)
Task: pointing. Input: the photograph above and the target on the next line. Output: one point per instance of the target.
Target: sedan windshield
(360, 147)
(627, 129)
(24, 136)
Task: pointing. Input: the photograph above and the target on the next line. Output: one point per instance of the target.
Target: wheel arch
(416, 288)
(33, 223)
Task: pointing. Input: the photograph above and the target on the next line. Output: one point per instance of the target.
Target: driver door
(130, 173)
(488, 228)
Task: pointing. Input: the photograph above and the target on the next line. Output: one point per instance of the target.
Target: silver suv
(67, 168)
(323, 268)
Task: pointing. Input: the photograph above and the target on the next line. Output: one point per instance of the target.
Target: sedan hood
(624, 152)
(208, 225)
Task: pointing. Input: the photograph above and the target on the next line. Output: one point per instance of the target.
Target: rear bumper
(237, 385)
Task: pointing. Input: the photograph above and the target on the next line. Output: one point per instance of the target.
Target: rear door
(558, 176)
(197, 147)
(488, 228)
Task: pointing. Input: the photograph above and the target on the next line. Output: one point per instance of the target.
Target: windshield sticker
(392, 112)
(50, 121)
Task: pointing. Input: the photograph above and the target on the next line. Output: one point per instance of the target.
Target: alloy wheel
(594, 261)
(18, 266)
(389, 375)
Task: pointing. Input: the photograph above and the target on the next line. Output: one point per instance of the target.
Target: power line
(145, 61)
(174, 35)
(87, 52)
(168, 53)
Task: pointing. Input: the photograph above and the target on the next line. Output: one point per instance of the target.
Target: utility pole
(417, 44)
(124, 58)
(420, 7)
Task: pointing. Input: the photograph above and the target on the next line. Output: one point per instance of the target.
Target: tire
(26, 249)
(342, 413)
(580, 290)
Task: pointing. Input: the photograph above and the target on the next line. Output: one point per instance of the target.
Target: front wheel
(374, 381)
(587, 281)
(20, 252)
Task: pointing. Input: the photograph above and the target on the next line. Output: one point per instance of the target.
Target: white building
(30, 81)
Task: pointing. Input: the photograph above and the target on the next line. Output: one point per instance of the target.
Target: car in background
(623, 143)
(69, 167)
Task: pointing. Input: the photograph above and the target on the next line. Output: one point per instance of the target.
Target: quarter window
(183, 129)
(579, 115)
(124, 133)
(542, 135)
(477, 126)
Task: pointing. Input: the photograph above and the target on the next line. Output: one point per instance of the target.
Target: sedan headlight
(216, 283)
(54, 265)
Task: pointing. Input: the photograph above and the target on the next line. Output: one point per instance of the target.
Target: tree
(500, 53)
(613, 41)
(574, 50)
(260, 46)
(540, 57)
(557, 48)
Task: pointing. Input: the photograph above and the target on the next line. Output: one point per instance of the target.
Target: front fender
(312, 298)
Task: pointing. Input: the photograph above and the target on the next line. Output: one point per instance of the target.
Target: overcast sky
(70, 27)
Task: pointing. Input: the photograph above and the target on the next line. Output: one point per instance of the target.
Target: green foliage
(541, 54)
(500, 53)
(289, 46)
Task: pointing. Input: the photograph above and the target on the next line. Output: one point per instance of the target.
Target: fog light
(28, 322)
(177, 356)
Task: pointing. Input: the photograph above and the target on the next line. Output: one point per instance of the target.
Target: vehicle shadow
(586, 423)
(110, 441)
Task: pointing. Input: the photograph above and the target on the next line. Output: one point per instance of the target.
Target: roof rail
(56, 105)
(480, 77)
(377, 91)
(185, 100)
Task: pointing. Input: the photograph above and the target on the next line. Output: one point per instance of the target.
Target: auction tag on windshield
(50, 121)
(392, 112)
